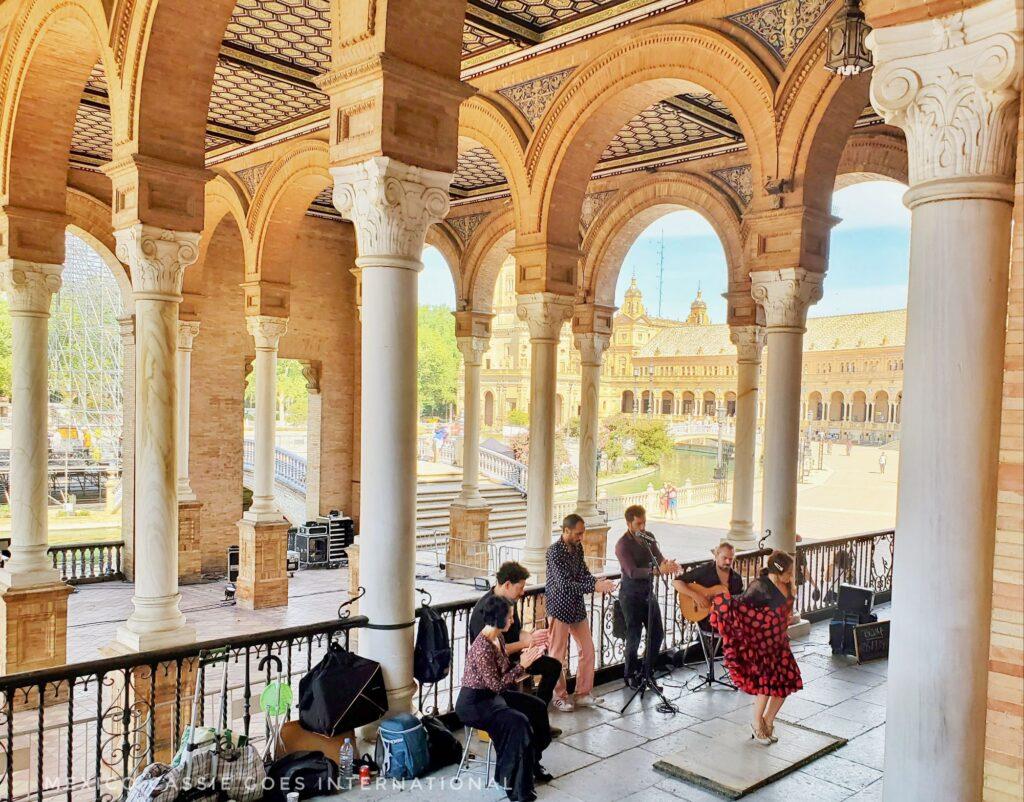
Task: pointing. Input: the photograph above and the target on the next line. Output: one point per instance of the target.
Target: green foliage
(643, 438)
(518, 417)
(292, 393)
(438, 359)
(572, 427)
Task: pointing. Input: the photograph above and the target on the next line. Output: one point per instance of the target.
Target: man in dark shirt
(636, 550)
(568, 581)
(510, 584)
(718, 571)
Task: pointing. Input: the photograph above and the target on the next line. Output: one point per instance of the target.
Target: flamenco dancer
(756, 643)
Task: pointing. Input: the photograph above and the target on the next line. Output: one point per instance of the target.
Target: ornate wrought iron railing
(289, 467)
(105, 720)
(81, 563)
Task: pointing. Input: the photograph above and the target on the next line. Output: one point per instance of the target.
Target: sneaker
(588, 700)
(563, 705)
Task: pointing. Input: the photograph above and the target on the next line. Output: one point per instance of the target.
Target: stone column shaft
(187, 331)
(749, 341)
(953, 85)
(127, 325)
(472, 349)
(157, 258)
(390, 205)
(267, 332)
(591, 346)
(544, 313)
(785, 296)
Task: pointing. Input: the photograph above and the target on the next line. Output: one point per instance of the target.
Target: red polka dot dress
(755, 642)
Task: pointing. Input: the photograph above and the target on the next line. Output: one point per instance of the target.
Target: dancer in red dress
(756, 643)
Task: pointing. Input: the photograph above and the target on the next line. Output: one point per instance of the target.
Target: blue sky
(867, 263)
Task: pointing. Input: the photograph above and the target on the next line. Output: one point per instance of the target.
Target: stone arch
(815, 407)
(488, 408)
(440, 237)
(871, 156)
(837, 407)
(628, 401)
(280, 204)
(50, 48)
(89, 220)
(730, 404)
(487, 120)
(640, 68)
(484, 255)
(225, 198)
(859, 407)
(638, 205)
(668, 402)
(708, 405)
(880, 405)
(688, 403)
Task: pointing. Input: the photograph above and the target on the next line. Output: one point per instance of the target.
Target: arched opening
(488, 409)
(815, 409)
(559, 404)
(859, 407)
(836, 407)
(668, 401)
(628, 402)
(730, 404)
(688, 405)
(645, 402)
(880, 407)
(709, 404)
(898, 406)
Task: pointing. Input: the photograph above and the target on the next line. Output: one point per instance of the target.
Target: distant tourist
(673, 501)
(663, 500)
(881, 462)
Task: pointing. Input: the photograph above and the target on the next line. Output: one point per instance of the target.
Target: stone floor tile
(858, 675)
(835, 725)
(604, 740)
(651, 724)
(681, 789)
(828, 691)
(858, 710)
(873, 793)
(867, 749)
(654, 794)
(799, 787)
(612, 779)
(711, 703)
(840, 771)
(876, 696)
(560, 759)
(582, 718)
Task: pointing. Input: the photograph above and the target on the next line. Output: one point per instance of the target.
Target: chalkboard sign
(871, 641)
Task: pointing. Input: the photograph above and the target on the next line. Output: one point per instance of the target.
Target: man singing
(569, 580)
(638, 554)
(510, 584)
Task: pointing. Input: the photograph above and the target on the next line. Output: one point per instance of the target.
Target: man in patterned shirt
(568, 581)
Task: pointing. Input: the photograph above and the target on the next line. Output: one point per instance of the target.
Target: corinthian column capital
(591, 345)
(953, 85)
(786, 295)
(157, 258)
(749, 340)
(29, 286)
(544, 314)
(472, 348)
(266, 330)
(187, 332)
(391, 205)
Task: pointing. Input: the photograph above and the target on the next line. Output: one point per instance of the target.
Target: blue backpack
(402, 751)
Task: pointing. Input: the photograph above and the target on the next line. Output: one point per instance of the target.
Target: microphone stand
(647, 682)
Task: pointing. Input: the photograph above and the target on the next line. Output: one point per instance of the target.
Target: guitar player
(701, 582)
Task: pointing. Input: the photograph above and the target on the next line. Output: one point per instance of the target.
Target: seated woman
(516, 722)
(755, 642)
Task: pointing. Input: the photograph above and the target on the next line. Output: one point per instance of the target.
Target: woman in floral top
(516, 722)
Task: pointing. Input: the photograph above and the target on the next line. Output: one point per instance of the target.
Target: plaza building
(261, 178)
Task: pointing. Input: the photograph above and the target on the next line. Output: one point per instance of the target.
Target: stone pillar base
(595, 546)
(468, 542)
(262, 564)
(33, 627)
(190, 553)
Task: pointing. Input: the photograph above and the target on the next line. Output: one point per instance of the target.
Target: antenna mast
(661, 269)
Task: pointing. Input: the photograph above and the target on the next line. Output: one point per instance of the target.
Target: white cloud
(872, 204)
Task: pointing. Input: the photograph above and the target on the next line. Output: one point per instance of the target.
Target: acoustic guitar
(688, 607)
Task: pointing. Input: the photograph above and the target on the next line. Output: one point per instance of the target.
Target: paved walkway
(604, 756)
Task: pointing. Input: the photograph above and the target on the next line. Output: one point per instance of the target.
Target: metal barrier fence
(104, 721)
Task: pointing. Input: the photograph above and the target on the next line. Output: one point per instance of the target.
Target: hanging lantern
(847, 52)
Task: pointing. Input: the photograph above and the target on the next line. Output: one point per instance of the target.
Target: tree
(518, 417)
(438, 359)
(648, 440)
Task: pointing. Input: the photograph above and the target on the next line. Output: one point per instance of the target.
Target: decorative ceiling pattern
(464, 225)
(324, 202)
(541, 14)
(92, 141)
(738, 180)
(593, 203)
(246, 100)
(660, 127)
(297, 32)
(251, 177)
(532, 97)
(477, 40)
(97, 81)
(782, 24)
(477, 170)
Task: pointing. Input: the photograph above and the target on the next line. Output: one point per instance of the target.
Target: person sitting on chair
(516, 722)
(510, 585)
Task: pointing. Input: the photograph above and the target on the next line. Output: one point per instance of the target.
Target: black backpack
(307, 773)
(341, 692)
(444, 747)
(432, 659)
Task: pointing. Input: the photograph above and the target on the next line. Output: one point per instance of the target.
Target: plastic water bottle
(346, 757)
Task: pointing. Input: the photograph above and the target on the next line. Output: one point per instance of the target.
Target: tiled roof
(833, 333)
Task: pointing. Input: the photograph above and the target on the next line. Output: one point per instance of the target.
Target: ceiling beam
(709, 119)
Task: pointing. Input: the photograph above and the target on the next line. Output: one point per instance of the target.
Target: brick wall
(1004, 737)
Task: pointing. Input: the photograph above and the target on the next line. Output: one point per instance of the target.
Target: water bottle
(346, 757)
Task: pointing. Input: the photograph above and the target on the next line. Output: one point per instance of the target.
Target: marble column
(190, 554)
(127, 327)
(157, 259)
(390, 205)
(953, 85)
(544, 314)
(785, 295)
(472, 349)
(749, 341)
(591, 345)
(262, 532)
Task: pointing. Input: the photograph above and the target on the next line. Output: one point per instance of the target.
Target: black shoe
(540, 774)
(556, 732)
(633, 681)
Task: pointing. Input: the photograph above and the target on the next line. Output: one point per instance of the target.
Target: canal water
(696, 463)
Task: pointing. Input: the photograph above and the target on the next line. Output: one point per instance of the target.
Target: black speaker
(840, 634)
(855, 600)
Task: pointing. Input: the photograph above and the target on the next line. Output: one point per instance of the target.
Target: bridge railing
(289, 467)
(83, 563)
(503, 470)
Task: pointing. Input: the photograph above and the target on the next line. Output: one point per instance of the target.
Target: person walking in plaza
(881, 462)
(673, 501)
(755, 639)
(510, 584)
(568, 581)
(663, 500)
(636, 550)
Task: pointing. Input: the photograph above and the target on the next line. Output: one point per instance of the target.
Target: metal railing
(289, 467)
(104, 721)
(83, 563)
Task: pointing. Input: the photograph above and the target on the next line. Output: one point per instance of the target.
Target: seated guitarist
(711, 574)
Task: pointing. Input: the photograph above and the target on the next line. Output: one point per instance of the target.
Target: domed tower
(633, 305)
(698, 312)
